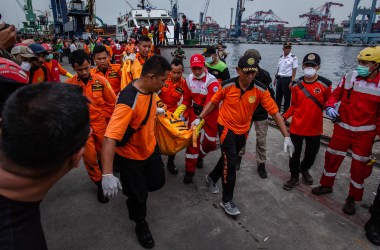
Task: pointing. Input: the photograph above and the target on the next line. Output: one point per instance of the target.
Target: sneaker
(292, 183)
(188, 178)
(321, 190)
(172, 168)
(200, 162)
(230, 208)
(349, 206)
(306, 177)
(238, 162)
(262, 171)
(214, 189)
(144, 235)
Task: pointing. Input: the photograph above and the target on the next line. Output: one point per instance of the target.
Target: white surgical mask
(26, 66)
(201, 76)
(309, 71)
(209, 60)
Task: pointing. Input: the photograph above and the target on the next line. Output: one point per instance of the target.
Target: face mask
(363, 71)
(26, 66)
(209, 60)
(201, 76)
(309, 71)
(49, 57)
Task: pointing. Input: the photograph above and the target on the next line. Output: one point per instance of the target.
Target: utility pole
(232, 15)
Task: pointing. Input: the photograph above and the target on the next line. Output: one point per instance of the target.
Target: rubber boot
(101, 197)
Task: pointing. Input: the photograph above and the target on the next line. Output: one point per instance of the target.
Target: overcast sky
(220, 10)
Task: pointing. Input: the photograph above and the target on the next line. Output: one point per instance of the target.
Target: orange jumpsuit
(102, 101)
(113, 75)
(161, 32)
(171, 93)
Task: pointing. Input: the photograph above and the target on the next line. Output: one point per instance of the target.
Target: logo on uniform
(311, 57)
(252, 99)
(97, 87)
(215, 88)
(317, 90)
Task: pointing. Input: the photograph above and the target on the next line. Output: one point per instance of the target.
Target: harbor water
(336, 61)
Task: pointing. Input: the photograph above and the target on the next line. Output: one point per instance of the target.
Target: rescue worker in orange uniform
(102, 100)
(132, 69)
(240, 97)
(54, 68)
(199, 89)
(161, 33)
(130, 51)
(357, 123)
(130, 134)
(171, 94)
(38, 72)
(309, 94)
(112, 72)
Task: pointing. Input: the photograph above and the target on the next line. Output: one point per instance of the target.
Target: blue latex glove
(332, 112)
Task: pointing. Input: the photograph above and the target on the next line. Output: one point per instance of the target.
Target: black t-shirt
(20, 225)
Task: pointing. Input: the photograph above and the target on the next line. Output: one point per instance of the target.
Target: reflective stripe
(357, 129)
(329, 174)
(210, 138)
(367, 90)
(192, 156)
(336, 152)
(357, 185)
(360, 158)
(201, 149)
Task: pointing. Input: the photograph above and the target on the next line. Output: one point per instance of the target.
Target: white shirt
(73, 47)
(286, 64)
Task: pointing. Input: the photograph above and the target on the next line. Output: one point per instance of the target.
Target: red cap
(197, 60)
(11, 70)
(46, 46)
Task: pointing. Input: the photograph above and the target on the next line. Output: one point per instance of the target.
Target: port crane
(202, 15)
(264, 18)
(238, 17)
(319, 20)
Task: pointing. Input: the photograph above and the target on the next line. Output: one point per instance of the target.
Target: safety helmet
(47, 46)
(37, 48)
(370, 54)
(12, 71)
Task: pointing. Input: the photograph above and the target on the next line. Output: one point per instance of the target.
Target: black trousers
(283, 90)
(374, 210)
(231, 144)
(312, 147)
(138, 179)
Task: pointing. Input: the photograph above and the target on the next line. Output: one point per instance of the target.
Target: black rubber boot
(101, 197)
(188, 178)
(200, 162)
(171, 166)
(144, 235)
(262, 171)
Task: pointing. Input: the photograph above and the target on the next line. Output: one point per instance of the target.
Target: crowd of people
(106, 114)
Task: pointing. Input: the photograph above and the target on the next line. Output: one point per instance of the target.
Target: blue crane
(238, 17)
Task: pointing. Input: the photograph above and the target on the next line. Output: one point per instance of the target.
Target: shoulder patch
(226, 82)
(215, 89)
(128, 96)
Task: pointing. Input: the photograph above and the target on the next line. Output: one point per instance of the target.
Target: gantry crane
(319, 20)
(264, 18)
(202, 15)
(31, 18)
(238, 17)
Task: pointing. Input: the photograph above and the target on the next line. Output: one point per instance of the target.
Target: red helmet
(12, 71)
(47, 46)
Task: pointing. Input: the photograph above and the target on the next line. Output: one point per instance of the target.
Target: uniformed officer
(286, 73)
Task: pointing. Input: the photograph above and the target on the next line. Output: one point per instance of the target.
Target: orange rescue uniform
(102, 100)
(38, 76)
(171, 93)
(131, 109)
(113, 75)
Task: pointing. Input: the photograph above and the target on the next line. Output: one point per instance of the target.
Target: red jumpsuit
(200, 92)
(359, 112)
(102, 101)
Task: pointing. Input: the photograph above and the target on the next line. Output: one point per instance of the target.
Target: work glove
(160, 111)
(179, 111)
(330, 111)
(110, 185)
(288, 146)
(199, 126)
(68, 75)
(196, 122)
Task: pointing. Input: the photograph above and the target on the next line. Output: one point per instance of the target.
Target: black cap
(248, 63)
(312, 58)
(208, 51)
(287, 45)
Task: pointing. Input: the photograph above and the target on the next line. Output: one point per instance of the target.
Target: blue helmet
(37, 48)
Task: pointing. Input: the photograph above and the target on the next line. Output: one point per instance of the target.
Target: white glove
(288, 146)
(110, 185)
(160, 111)
(196, 122)
(332, 112)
